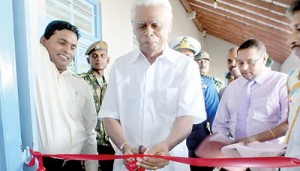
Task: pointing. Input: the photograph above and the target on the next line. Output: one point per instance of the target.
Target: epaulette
(206, 76)
(82, 75)
(218, 80)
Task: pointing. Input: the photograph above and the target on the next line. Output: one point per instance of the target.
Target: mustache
(231, 68)
(66, 55)
(295, 46)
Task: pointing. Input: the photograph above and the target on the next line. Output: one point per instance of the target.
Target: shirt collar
(91, 75)
(167, 54)
(68, 72)
(260, 79)
(90, 72)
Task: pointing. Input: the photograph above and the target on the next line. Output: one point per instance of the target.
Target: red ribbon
(255, 162)
(39, 157)
(131, 166)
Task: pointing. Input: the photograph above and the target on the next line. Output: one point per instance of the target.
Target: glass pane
(64, 2)
(84, 24)
(85, 6)
(56, 11)
(83, 12)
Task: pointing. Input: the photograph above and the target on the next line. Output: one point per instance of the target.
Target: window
(81, 13)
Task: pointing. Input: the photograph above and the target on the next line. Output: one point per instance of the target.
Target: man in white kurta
(66, 114)
(153, 93)
(147, 99)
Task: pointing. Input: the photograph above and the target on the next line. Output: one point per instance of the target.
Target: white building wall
(181, 25)
(217, 50)
(116, 27)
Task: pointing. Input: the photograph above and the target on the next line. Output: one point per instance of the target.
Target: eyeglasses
(249, 62)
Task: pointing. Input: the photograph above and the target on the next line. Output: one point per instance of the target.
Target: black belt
(55, 164)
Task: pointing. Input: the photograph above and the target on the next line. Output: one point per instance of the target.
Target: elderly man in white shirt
(154, 93)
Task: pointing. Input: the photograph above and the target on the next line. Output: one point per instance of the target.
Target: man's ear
(88, 60)
(42, 40)
(133, 28)
(108, 59)
(266, 56)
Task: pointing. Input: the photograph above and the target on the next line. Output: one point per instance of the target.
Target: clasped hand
(151, 163)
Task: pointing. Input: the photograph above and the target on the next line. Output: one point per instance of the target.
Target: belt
(61, 163)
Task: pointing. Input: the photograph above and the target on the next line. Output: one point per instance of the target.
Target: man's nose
(244, 67)
(68, 49)
(149, 31)
(292, 40)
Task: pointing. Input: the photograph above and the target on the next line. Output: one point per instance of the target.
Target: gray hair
(164, 3)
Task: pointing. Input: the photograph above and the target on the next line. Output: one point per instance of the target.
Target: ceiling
(238, 20)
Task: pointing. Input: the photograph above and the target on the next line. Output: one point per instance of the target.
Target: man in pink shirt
(252, 108)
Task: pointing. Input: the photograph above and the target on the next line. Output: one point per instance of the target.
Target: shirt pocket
(266, 109)
(166, 100)
(76, 106)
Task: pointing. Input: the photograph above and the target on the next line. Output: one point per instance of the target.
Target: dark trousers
(105, 165)
(52, 164)
(199, 132)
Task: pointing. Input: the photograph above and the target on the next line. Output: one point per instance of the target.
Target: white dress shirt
(267, 109)
(66, 114)
(148, 98)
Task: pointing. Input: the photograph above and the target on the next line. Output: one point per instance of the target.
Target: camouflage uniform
(103, 144)
(98, 94)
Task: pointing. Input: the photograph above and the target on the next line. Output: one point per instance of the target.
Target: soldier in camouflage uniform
(203, 61)
(98, 59)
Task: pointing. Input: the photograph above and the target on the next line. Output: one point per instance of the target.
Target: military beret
(202, 55)
(96, 46)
